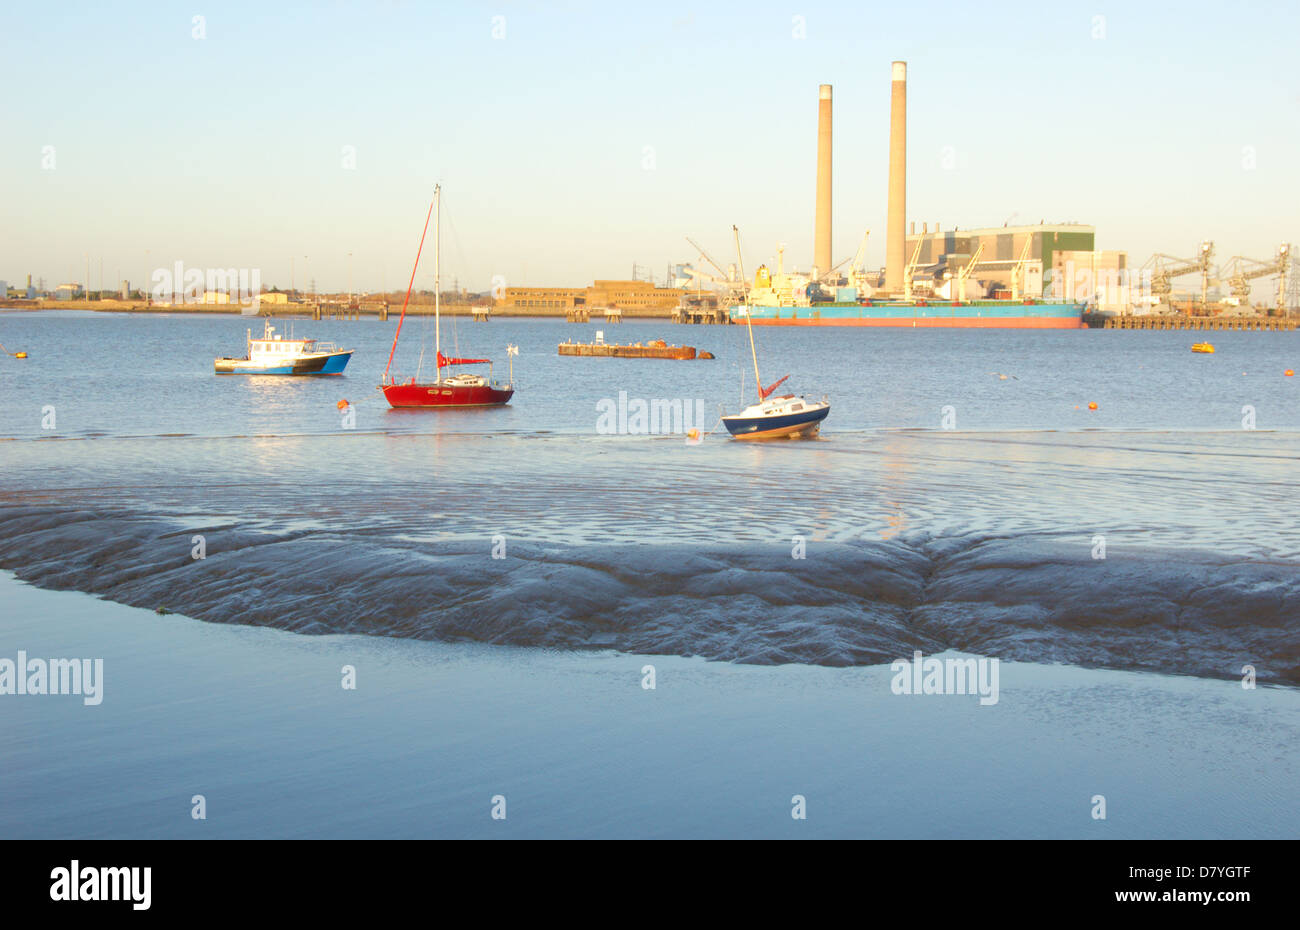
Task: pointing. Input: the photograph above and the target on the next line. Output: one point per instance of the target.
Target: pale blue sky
(226, 151)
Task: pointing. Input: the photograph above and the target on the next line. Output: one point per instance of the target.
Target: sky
(574, 140)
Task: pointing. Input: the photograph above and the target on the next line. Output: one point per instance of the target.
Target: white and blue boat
(272, 354)
(773, 417)
(787, 416)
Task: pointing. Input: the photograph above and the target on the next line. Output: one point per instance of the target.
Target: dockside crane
(733, 288)
(857, 274)
(964, 272)
(1164, 268)
(854, 263)
(911, 268)
(1018, 270)
(1240, 271)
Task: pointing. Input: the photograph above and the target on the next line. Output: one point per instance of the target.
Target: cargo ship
(787, 301)
(972, 314)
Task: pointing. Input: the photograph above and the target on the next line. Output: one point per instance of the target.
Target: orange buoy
(1289, 372)
(342, 404)
(1092, 405)
(693, 434)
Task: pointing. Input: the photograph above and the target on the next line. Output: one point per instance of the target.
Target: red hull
(440, 394)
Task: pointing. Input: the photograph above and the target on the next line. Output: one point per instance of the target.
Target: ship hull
(983, 315)
(789, 426)
(440, 394)
(330, 364)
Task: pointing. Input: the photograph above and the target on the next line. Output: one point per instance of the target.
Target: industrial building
(622, 295)
(1099, 277)
(541, 299)
(997, 252)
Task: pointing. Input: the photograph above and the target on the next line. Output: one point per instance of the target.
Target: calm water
(984, 537)
(255, 720)
(148, 375)
(512, 572)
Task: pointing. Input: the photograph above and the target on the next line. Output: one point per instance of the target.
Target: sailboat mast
(748, 325)
(437, 278)
(409, 285)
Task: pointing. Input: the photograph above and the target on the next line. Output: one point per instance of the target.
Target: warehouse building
(623, 295)
(541, 299)
(1002, 248)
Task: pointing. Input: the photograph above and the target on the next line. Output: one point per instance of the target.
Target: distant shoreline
(300, 309)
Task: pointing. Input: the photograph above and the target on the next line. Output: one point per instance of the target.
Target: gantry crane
(1293, 284)
(1164, 268)
(1240, 271)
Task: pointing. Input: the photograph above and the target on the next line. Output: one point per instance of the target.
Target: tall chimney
(895, 229)
(822, 238)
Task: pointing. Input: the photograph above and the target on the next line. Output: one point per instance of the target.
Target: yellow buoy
(1204, 347)
(20, 355)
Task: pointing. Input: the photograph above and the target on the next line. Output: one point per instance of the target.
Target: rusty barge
(654, 349)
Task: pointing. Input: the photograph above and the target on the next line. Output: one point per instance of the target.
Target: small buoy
(693, 434)
(24, 355)
(1289, 372)
(1002, 377)
(1092, 405)
(342, 404)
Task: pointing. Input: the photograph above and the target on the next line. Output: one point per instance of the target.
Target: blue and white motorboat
(274, 355)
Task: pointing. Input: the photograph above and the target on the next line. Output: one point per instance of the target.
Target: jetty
(701, 315)
(656, 349)
(1179, 321)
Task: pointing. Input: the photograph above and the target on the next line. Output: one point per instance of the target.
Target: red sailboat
(458, 390)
